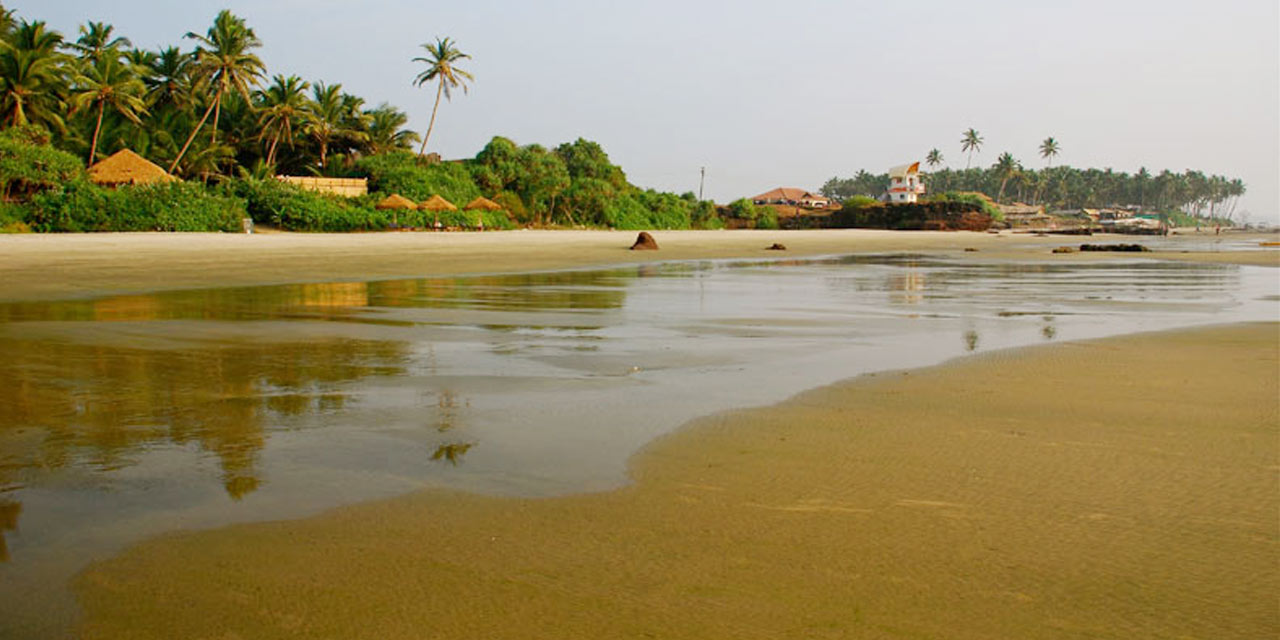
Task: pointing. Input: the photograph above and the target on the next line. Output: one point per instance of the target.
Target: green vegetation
(174, 206)
(206, 115)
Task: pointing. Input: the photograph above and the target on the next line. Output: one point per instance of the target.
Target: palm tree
(1049, 149)
(440, 59)
(95, 39)
(282, 105)
(387, 132)
(1006, 167)
(970, 142)
(168, 79)
(224, 62)
(32, 82)
(108, 82)
(331, 119)
(934, 158)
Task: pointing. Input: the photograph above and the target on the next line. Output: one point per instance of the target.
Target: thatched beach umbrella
(395, 202)
(436, 204)
(127, 167)
(483, 204)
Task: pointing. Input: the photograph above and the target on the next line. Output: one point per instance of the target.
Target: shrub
(402, 173)
(984, 205)
(768, 219)
(28, 163)
(295, 209)
(13, 218)
(81, 206)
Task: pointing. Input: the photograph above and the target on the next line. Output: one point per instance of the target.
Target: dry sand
(64, 266)
(1124, 488)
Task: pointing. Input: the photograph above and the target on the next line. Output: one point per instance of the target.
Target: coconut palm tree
(168, 79)
(95, 40)
(971, 142)
(934, 158)
(1006, 167)
(387, 132)
(32, 79)
(282, 106)
(333, 117)
(224, 63)
(104, 82)
(1049, 149)
(440, 60)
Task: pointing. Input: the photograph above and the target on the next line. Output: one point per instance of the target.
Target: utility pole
(701, 180)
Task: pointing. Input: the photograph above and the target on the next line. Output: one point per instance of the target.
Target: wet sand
(79, 265)
(1111, 489)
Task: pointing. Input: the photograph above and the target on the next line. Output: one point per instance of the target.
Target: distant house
(792, 196)
(905, 184)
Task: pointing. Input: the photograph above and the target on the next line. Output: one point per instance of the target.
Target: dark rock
(1064, 249)
(777, 246)
(645, 242)
(1126, 248)
(971, 249)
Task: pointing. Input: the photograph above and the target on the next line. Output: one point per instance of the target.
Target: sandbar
(1117, 488)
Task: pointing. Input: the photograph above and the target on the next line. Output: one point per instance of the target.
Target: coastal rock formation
(1064, 249)
(777, 246)
(645, 242)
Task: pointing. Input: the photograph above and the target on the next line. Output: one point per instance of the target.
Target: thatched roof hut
(436, 203)
(483, 203)
(127, 167)
(396, 201)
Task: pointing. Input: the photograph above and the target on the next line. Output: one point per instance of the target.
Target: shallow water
(131, 416)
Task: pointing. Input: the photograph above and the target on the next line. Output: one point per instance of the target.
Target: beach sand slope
(1121, 488)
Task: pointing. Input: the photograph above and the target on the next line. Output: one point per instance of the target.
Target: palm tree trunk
(192, 137)
(217, 112)
(271, 153)
(432, 124)
(93, 148)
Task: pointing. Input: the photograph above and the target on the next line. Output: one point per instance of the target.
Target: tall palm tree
(107, 82)
(1006, 167)
(168, 79)
(1049, 149)
(224, 63)
(387, 132)
(95, 40)
(971, 142)
(32, 81)
(440, 59)
(934, 158)
(282, 106)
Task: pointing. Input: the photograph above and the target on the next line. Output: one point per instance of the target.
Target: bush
(174, 206)
(860, 202)
(402, 173)
(703, 216)
(984, 205)
(768, 219)
(295, 209)
(13, 218)
(28, 163)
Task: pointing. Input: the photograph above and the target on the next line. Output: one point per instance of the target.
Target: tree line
(1191, 192)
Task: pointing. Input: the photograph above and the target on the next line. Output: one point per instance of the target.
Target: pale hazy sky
(767, 94)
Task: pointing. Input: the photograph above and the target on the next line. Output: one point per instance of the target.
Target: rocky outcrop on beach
(645, 242)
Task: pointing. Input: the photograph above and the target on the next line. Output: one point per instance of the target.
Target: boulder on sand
(645, 242)
(777, 246)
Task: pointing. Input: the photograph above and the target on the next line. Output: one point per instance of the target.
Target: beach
(1110, 488)
(52, 266)
(1126, 489)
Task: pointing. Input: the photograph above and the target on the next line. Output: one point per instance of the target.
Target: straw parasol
(437, 204)
(396, 201)
(483, 203)
(127, 167)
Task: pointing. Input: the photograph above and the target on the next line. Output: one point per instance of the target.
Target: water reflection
(74, 405)
(452, 452)
(9, 512)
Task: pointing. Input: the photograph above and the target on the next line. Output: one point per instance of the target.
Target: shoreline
(1016, 514)
(51, 267)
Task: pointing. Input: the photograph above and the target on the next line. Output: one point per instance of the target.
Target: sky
(768, 94)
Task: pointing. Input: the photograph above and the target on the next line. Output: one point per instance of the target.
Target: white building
(904, 183)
